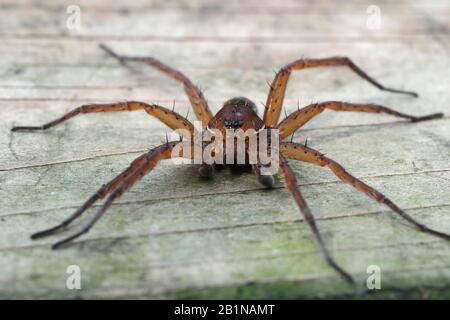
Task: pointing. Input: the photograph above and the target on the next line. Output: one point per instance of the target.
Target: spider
(239, 113)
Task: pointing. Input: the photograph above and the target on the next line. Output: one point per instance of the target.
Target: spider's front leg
(299, 152)
(278, 87)
(139, 168)
(298, 118)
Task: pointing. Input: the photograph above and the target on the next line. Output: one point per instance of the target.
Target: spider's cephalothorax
(240, 113)
(237, 113)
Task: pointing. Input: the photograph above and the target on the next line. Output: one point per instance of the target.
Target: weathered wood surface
(174, 235)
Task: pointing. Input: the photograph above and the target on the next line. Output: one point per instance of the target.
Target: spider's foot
(344, 274)
(410, 93)
(109, 51)
(435, 233)
(347, 277)
(267, 181)
(45, 233)
(39, 234)
(206, 171)
(106, 48)
(428, 117)
(361, 292)
(58, 245)
(27, 128)
(65, 241)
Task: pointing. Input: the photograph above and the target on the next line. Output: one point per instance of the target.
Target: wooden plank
(235, 23)
(174, 235)
(233, 242)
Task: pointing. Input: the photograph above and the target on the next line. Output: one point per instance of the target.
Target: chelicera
(239, 113)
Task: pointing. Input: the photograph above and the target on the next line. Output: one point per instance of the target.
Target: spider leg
(170, 118)
(291, 184)
(100, 194)
(198, 101)
(267, 180)
(142, 166)
(298, 118)
(278, 87)
(299, 152)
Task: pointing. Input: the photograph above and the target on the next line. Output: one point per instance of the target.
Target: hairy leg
(275, 98)
(299, 152)
(116, 187)
(291, 184)
(170, 118)
(298, 118)
(198, 101)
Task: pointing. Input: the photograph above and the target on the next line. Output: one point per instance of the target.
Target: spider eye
(233, 123)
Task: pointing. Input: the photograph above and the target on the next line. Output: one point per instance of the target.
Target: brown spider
(239, 113)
